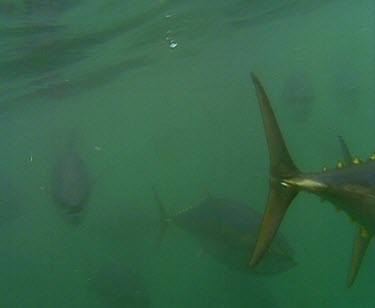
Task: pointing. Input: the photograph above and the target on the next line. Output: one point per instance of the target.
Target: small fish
(227, 230)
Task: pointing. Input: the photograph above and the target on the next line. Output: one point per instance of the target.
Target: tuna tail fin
(281, 167)
(163, 216)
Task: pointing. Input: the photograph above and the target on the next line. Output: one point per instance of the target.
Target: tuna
(349, 187)
(227, 230)
(71, 184)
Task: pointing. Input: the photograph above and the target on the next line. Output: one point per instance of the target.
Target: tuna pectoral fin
(282, 167)
(279, 199)
(361, 242)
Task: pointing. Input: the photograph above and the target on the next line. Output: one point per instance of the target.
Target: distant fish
(121, 287)
(228, 231)
(347, 90)
(298, 94)
(71, 183)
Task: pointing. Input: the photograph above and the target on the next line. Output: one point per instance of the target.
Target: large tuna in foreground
(351, 188)
(227, 230)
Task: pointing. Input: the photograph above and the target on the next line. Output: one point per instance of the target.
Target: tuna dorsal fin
(163, 216)
(281, 167)
(361, 243)
(348, 157)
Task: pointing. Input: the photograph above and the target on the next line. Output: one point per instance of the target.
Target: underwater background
(156, 95)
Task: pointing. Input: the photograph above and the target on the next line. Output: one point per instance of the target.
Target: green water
(161, 96)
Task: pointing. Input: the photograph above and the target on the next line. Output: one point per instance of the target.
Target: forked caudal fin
(281, 167)
(286, 180)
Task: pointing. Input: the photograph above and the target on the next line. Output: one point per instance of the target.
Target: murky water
(160, 96)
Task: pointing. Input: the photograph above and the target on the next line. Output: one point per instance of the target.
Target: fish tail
(282, 167)
(163, 216)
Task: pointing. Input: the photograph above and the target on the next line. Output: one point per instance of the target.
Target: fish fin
(361, 243)
(163, 216)
(348, 157)
(362, 238)
(281, 167)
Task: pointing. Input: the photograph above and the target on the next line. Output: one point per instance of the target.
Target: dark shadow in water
(56, 52)
(346, 93)
(34, 8)
(57, 88)
(252, 13)
(70, 181)
(298, 95)
(228, 230)
(119, 286)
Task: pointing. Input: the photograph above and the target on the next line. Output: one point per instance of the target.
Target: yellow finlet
(372, 156)
(356, 160)
(325, 168)
(340, 164)
(365, 233)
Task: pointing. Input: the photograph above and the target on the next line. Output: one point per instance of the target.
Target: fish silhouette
(71, 185)
(120, 286)
(227, 230)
